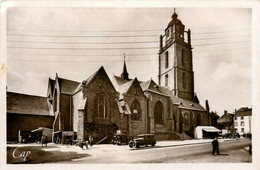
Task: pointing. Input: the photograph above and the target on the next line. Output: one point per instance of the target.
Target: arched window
(198, 120)
(166, 59)
(158, 113)
(166, 80)
(136, 110)
(102, 106)
(184, 80)
(186, 119)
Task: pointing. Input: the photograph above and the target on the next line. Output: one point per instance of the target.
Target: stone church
(100, 106)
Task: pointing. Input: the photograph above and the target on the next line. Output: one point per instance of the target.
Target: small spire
(124, 75)
(174, 15)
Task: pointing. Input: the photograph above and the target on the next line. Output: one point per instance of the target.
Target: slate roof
(152, 86)
(244, 111)
(185, 104)
(121, 85)
(67, 86)
(86, 82)
(27, 104)
(124, 87)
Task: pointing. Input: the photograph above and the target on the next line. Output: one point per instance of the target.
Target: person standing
(46, 140)
(215, 146)
(43, 139)
(90, 139)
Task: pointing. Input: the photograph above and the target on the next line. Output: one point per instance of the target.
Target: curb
(192, 143)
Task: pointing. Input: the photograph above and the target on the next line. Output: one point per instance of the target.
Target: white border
(141, 3)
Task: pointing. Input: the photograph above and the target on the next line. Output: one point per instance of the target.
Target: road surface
(199, 153)
(230, 152)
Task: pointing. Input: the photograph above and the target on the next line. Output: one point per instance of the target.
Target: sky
(76, 42)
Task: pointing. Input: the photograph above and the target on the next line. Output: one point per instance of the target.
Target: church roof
(27, 104)
(121, 85)
(174, 20)
(67, 86)
(152, 86)
(186, 104)
(88, 81)
(118, 81)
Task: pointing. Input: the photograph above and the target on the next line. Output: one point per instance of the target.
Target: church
(100, 106)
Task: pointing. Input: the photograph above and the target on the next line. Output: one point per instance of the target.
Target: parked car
(120, 139)
(143, 139)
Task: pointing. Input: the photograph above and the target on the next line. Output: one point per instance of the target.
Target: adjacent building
(242, 120)
(26, 113)
(226, 123)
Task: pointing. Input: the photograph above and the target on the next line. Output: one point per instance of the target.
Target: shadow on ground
(38, 155)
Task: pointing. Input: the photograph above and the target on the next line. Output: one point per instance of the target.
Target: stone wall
(135, 93)
(162, 129)
(101, 84)
(77, 99)
(65, 111)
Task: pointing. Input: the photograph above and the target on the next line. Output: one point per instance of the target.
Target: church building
(100, 106)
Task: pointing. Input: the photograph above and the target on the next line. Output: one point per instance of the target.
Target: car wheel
(137, 145)
(153, 144)
(131, 144)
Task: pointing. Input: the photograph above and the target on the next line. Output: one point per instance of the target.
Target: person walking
(215, 146)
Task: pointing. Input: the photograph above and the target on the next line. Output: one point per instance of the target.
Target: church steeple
(124, 74)
(175, 60)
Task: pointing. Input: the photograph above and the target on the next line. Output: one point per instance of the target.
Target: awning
(211, 130)
(39, 129)
(56, 132)
(35, 130)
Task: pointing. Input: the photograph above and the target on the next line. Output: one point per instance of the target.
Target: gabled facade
(226, 122)
(97, 112)
(133, 103)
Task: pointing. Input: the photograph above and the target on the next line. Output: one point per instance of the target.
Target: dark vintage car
(143, 139)
(120, 139)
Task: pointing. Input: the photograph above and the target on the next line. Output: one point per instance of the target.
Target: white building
(242, 120)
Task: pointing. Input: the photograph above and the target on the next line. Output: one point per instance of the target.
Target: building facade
(226, 123)
(242, 120)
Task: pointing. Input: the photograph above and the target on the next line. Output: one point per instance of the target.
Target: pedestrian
(215, 146)
(86, 144)
(42, 139)
(46, 140)
(81, 143)
(90, 139)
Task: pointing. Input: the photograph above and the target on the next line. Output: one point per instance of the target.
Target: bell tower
(175, 60)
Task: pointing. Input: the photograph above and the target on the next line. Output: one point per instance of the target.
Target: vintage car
(120, 139)
(143, 139)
